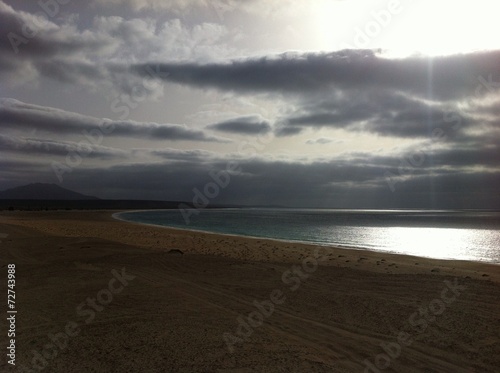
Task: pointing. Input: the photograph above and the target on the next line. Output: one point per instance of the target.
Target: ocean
(463, 235)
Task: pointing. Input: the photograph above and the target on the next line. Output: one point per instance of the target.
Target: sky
(319, 103)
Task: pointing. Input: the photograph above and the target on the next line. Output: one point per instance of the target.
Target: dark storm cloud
(432, 158)
(248, 125)
(463, 190)
(471, 157)
(316, 184)
(457, 178)
(444, 78)
(14, 166)
(260, 179)
(16, 115)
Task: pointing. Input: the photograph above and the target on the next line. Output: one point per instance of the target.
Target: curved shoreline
(101, 225)
(324, 244)
(289, 241)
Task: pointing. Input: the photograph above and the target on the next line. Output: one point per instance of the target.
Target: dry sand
(184, 313)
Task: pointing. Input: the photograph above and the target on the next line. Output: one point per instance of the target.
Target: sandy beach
(95, 294)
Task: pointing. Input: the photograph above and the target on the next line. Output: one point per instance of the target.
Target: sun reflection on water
(444, 243)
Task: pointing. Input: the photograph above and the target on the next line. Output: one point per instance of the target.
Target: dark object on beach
(175, 252)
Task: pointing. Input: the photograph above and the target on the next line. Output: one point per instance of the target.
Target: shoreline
(321, 244)
(246, 248)
(248, 236)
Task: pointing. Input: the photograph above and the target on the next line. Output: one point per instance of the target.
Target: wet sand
(99, 295)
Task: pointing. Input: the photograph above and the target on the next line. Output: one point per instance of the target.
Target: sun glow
(405, 27)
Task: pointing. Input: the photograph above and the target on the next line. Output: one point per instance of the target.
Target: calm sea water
(469, 235)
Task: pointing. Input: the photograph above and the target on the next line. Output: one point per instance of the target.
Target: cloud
(247, 125)
(216, 8)
(429, 159)
(195, 155)
(36, 147)
(486, 158)
(138, 5)
(96, 56)
(441, 78)
(381, 112)
(323, 141)
(282, 131)
(17, 115)
(32, 44)
(360, 91)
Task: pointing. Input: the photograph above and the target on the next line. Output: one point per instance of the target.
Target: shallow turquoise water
(468, 235)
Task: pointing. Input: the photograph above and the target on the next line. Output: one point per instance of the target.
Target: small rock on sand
(175, 252)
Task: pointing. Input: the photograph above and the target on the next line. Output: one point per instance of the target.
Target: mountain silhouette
(41, 191)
